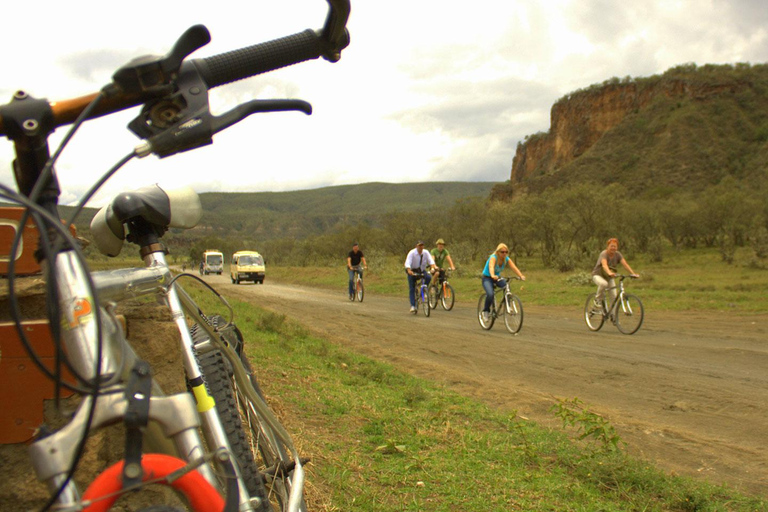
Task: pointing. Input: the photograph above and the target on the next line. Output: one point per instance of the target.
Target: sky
(428, 90)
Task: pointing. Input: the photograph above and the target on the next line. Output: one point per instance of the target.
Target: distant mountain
(302, 213)
(683, 130)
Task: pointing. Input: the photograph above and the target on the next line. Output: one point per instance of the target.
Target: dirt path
(689, 391)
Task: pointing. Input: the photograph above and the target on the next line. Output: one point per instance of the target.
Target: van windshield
(251, 260)
(214, 259)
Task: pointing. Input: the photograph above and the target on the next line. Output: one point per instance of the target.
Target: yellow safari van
(247, 266)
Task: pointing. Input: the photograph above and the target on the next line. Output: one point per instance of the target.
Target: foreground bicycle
(506, 304)
(625, 312)
(245, 460)
(441, 291)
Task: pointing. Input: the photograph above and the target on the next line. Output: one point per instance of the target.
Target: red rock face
(580, 119)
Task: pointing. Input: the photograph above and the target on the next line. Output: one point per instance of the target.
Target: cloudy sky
(436, 90)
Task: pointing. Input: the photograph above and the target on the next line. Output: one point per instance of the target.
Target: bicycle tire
(480, 305)
(447, 298)
(425, 307)
(433, 296)
(271, 454)
(218, 378)
(359, 290)
(629, 314)
(513, 313)
(593, 316)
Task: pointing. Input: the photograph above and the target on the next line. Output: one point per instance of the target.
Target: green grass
(380, 439)
(694, 279)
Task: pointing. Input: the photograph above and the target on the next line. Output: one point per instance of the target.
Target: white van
(212, 262)
(247, 266)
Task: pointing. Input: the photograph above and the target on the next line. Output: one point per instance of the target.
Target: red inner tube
(201, 495)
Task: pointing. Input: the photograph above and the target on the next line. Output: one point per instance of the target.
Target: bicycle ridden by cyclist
(491, 275)
(354, 258)
(440, 254)
(605, 270)
(417, 262)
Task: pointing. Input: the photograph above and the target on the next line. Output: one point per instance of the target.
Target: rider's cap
(355, 244)
(419, 243)
(440, 241)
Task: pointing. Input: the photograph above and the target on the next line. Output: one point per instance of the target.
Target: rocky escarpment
(581, 120)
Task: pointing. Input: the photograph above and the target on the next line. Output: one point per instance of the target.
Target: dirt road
(689, 391)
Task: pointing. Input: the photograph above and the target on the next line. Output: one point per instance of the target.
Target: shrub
(579, 279)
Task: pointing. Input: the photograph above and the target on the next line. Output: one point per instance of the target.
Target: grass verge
(380, 439)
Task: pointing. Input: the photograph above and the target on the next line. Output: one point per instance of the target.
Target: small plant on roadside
(579, 279)
(272, 322)
(591, 426)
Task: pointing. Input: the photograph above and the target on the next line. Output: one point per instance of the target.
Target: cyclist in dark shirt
(354, 258)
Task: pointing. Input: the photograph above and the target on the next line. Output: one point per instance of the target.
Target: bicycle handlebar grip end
(108, 232)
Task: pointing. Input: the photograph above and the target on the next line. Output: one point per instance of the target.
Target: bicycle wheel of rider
(513, 313)
(447, 297)
(593, 314)
(484, 323)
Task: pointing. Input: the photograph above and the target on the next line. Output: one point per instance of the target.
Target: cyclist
(354, 258)
(440, 254)
(417, 262)
(491, 275)
(605, 270)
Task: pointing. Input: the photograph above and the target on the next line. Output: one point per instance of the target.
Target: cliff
(620, 124)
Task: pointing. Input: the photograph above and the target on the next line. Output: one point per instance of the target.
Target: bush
(579, 279)
(566, 260)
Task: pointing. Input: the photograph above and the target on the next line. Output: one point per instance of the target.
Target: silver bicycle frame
(53, 456)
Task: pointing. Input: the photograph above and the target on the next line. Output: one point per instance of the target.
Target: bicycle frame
(614, 307)
(81, 342)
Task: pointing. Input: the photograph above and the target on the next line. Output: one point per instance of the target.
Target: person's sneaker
(413, 309)
(351, 297)
(486, 317)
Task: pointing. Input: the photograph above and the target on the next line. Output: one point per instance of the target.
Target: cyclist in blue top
(491, 275)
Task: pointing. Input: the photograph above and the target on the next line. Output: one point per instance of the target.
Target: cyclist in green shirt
(440, 254)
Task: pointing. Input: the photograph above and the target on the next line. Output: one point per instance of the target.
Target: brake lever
(152, 74)
(240, 112)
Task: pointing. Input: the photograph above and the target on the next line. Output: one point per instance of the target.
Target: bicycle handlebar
(215, 71)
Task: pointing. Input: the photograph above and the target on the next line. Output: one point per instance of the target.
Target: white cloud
(432, 89)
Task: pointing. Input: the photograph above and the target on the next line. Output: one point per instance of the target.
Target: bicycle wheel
(593, 315)
(480, 305)
(359, 290)
(218, 378)
(447, 297)
(434, 296)
(267, 458)
(513, 313)
(425, 307)
(629, 314)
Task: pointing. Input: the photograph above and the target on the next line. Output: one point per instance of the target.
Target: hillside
(302, 213)
(683, 130)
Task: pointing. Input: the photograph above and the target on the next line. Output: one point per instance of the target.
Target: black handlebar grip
(238, 64)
